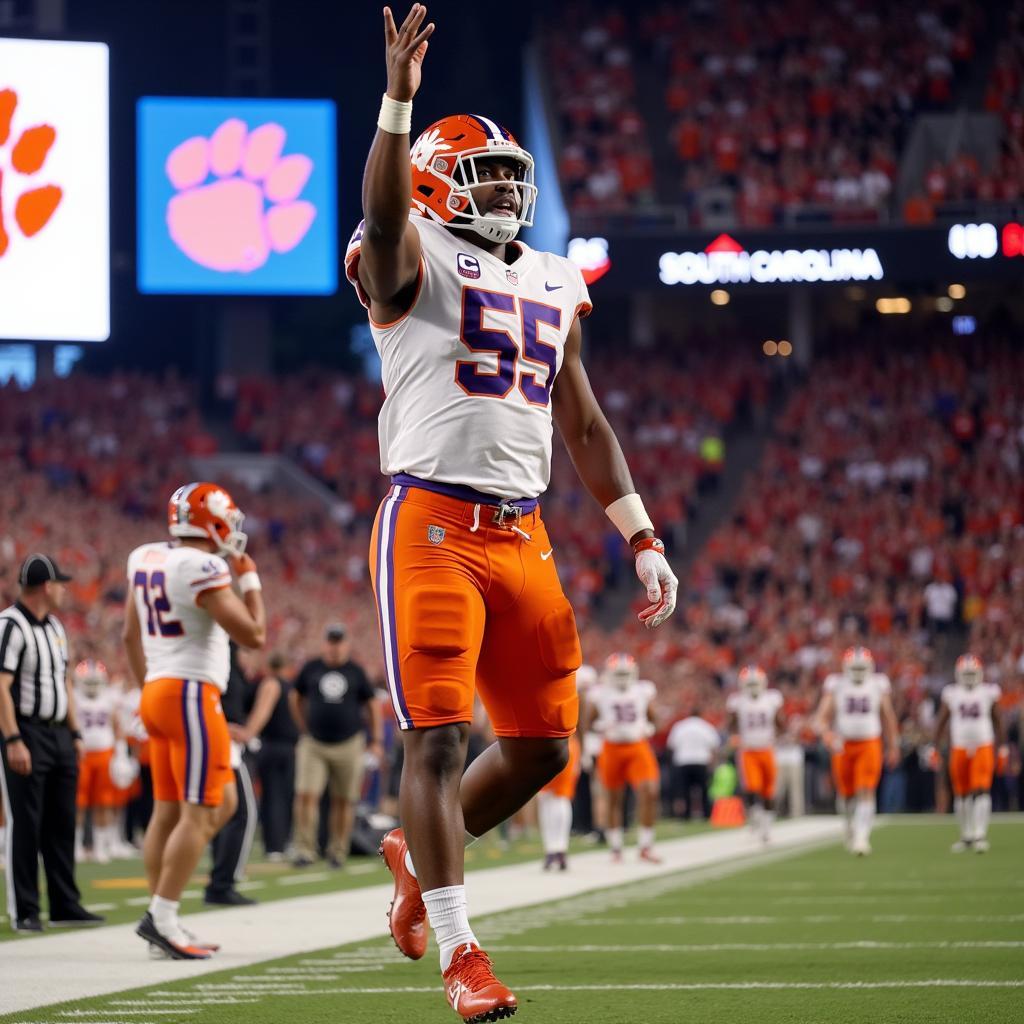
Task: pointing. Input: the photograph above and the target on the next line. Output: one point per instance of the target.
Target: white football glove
(654, 573)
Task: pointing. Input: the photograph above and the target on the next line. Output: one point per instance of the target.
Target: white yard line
(585, 922)
(751, 947)
(113, 959)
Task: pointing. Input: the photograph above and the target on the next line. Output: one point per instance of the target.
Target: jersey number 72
(154, 595)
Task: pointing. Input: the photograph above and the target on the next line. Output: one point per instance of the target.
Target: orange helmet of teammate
(206, 511)
(858, 663)
(90, 677)
(753, 680)
(445, 173)
(968, 670)
(621, 670)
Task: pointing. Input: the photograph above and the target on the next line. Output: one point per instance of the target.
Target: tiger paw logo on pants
(22, 159)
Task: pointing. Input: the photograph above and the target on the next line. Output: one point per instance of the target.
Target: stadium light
(785, 348)
(898, 304)
(957, 291)
(720, 297)
(943, 303)
(769, 348)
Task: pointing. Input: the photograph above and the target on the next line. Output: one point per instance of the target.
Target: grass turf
(118, 890)
(815, 937)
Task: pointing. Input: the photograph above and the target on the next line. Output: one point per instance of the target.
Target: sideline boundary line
(113, 959)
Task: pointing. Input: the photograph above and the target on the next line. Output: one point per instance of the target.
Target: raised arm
(389, 252)
(244, 618)
(600, 464)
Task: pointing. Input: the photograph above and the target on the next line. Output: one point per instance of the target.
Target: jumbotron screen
(236, 196)
(54, 191)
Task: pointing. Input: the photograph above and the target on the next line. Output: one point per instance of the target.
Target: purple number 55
(498, 383)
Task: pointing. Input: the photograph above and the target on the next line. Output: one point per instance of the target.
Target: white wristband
(629, 516)
(395, 116)
(249, 581)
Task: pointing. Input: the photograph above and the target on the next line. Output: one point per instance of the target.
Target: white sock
(767, 817)
(961, 809)
(165, 915)
(615, 838)
(645, 837)
(549, 818)
(446, 909)
(565, 825)
(864, 818)
(754, 816)
(982, 812)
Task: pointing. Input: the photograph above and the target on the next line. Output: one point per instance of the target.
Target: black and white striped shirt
(35, 652)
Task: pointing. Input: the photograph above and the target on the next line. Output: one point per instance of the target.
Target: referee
(41, 747)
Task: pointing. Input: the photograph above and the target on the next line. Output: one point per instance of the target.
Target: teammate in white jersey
(755, 713)
(859, 699)
(970, 710)
(620, 710)
(97, 703)
(480, 343)
(179, 615)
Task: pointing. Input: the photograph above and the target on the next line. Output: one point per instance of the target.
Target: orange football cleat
(474, 993)
(407, 916)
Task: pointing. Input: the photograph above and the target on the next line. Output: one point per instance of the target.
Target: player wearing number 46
(179, 613)
(860, 701)
(479, 337)
(970, 709)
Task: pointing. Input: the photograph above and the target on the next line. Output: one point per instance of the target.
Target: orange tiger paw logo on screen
(33, 206)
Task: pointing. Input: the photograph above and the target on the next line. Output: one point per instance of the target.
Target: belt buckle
(505, 511)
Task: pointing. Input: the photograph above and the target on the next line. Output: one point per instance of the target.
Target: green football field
(911, 934)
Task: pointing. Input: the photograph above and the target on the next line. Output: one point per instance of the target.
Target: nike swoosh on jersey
(551, 287)
(545, 555)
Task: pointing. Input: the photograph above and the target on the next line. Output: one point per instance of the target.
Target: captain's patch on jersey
(468, 266)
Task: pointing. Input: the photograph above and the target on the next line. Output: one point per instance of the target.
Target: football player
(620, 710)
(479, 338)
(98, 721)
(755, 715)
(179, 613)
(970, 709)
(859, 700)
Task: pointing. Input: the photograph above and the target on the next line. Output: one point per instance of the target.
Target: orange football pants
(190, 748)
(758, 771)
(970, 773)
(465, 605)
(95, 786)
(622, 764)
(564, 783)
(858, 766)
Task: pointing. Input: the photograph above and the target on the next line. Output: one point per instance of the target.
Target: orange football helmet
(207, 511)
(621, 670)
(753, 680)
(444, 174)
(91, 676)
(858, 663)
(968, 670)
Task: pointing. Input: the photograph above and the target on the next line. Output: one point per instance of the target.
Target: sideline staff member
(41, 748)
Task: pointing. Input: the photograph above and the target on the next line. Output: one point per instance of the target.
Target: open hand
(654, 573)
(406, 48)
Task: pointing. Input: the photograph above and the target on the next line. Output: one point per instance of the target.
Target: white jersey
(622, 714)
(181, 640)
(467, 373)
(970, 714)
(858, 715)
(96, 718)
(755, 717)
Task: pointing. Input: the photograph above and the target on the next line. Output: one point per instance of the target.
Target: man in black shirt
(328, 701)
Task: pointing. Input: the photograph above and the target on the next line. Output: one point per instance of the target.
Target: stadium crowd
(806, 117)
(886, 508)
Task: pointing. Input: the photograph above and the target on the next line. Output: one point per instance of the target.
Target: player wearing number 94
(479, 338)
(179, 613)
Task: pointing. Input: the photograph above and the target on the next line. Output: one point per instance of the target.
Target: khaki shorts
(337, 765)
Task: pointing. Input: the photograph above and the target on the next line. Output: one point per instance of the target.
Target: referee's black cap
(39, 568)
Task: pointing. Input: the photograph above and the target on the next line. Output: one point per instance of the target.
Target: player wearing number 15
(479, 337)
(179, 613)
